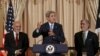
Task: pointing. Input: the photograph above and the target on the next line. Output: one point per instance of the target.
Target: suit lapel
(19, 40)
(47, 26)
(81, 38)
(13, 36)
(55, 26)
(13, 39)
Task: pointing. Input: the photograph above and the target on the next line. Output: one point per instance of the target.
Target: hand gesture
(39, 25)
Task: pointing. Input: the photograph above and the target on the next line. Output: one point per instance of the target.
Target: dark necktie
(84, 37)
(16, 39)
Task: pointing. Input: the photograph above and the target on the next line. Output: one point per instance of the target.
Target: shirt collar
(51, 23)
(86, 31)
(15, 34)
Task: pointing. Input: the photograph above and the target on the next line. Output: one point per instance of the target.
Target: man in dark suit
(16, 42)
(86, 41)
(51, 31)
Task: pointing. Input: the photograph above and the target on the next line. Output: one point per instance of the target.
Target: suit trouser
(85, 54)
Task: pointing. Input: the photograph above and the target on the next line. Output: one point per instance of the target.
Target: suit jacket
(91, 44)
(57, 39)
(10, 43)
(44, 29)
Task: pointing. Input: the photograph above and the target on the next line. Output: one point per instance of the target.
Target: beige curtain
(69, 13)
(18, 7)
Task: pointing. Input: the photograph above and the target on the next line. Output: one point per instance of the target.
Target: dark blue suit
(57, 39)
(91, 43)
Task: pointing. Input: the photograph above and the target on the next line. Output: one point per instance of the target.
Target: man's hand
(17, 52)
(39, 25)
(51, 33)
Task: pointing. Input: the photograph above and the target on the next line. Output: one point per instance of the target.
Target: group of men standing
(17, 42)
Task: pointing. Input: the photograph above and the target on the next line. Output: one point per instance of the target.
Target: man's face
(84, 25)
(17, 27)
(52, 18)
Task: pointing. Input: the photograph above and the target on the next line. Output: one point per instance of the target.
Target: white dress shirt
(85, 36)
(15, 35)
(51, 25)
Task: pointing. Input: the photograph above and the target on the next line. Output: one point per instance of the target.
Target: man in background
(16, 42)
(51, 31)
(86, 41)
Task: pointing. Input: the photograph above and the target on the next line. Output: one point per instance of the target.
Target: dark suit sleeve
(42, 31)
(76, 41)
(7, 44)
(35, 33)
(96, 43)
(25, 43)
(60, 36)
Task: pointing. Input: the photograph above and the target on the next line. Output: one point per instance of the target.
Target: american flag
(9, 20)
(8, 26)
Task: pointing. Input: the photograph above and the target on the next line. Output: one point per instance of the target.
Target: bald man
(16, 42)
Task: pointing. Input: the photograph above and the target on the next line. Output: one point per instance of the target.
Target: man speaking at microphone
(51, 31)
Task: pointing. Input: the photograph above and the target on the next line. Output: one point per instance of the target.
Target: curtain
(69, 14)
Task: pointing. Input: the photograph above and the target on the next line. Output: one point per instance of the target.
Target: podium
(50, 48)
